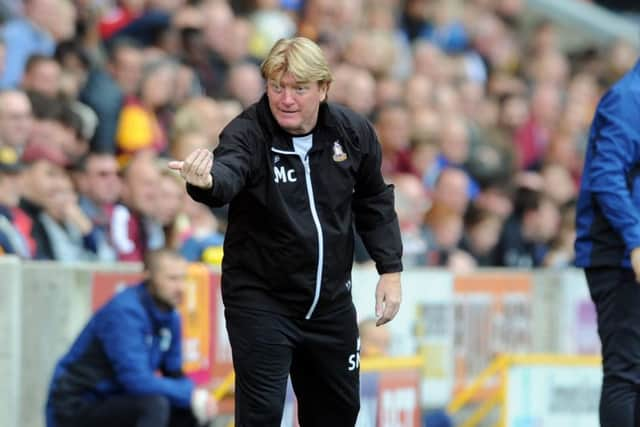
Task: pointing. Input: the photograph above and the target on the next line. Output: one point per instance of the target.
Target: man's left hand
(388, 296)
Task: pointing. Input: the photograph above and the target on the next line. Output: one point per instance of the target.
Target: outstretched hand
(196, 168)
(388, 296)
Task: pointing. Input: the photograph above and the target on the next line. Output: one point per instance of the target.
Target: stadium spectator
(411, 206)
(12, 241)
(134, 230)
(69, 230)
(42, 75)
(245, 83)
(442, 230)
(561, 252)
(27, 35)
(389, 90)
(110, 377)
(107, 87)
(199, 114)
(139, 125)
(360, 93)
(16, 119)
(418, 91)
(42, 178)
(454, 142)
(75, 65)
(99, 187)
(171, 199)
(56, 124)
(142, 21)
(527, 233)
(122, 14)
(217, 30)
(61, 25)
(392, 124)
(188, 141)
(558, 184)
(482, 231)
(453, 189)
(532, 138)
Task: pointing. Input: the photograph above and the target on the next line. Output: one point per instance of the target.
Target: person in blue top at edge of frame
(608, 244)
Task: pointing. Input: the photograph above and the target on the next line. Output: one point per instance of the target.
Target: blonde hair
(299, 56)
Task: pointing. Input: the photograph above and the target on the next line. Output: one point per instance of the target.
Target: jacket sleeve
(615, 151)
(121, 332)
(232, 166)
(373, 206)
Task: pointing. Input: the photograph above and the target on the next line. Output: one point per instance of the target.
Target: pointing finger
(176, 165)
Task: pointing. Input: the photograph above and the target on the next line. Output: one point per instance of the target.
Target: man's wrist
(199, 400)
(209, 185)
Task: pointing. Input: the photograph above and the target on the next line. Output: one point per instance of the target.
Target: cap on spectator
(9, 161)
(38, 151)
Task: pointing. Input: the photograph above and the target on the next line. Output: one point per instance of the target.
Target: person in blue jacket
(125, 368)
(608, 244)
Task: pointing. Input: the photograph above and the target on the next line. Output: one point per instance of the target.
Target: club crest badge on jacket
(338, 153)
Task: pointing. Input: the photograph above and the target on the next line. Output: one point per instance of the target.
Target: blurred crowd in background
(482, 120)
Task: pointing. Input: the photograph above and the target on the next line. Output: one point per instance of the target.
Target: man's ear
(325, 87)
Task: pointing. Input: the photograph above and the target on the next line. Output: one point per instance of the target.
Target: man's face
(393, 128)
(295, 104)
(44, 78)
(16, 120)
(58, 202)
(103, 184)
(168, 279)
(170, 200)
(158, 87)
(142, 187)
(41, 181)
(452, 190)
(127, 69)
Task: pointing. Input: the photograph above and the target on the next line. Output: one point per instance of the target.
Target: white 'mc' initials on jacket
(280, 174)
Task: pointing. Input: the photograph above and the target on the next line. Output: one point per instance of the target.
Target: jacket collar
(158, 316)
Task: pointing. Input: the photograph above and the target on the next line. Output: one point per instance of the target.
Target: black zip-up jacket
(289, 241)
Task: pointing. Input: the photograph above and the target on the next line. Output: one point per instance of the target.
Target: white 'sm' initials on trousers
(354, 359)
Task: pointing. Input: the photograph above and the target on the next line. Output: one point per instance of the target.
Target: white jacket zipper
(316, 220)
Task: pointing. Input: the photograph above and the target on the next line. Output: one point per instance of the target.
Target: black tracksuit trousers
(616, 295)
(321, 355)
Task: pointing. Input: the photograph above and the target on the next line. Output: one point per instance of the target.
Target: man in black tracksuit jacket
(298, 172)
